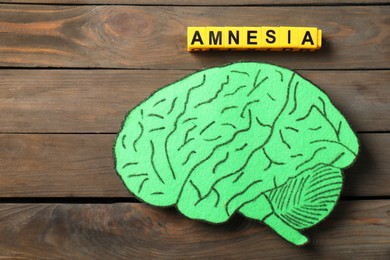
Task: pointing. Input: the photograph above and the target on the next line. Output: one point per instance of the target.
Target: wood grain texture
(155, 36)
(57, 126)
(58, 166)
(89, 101)
(200, 2)
(355, 230)
(74, 165)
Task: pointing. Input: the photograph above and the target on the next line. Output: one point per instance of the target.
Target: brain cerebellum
(221, 138)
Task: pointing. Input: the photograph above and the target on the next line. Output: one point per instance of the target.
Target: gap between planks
(107, 69)
(188, 3)
(112, 200)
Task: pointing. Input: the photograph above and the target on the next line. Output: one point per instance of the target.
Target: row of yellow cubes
(257, 38)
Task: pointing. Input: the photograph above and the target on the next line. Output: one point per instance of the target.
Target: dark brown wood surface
(201, 2)
(155, 37)
(58, 101)
(96, 231)
(71, 69)
(74, 165)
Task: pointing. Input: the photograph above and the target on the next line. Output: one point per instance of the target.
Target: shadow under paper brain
(248, 137)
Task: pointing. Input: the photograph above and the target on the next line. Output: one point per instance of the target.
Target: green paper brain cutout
(248, 137)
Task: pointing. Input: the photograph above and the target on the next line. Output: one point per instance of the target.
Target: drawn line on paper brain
(249, 137)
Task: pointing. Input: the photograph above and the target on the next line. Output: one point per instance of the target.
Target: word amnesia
(254, 38)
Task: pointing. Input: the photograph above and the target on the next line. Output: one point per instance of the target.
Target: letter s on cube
(270, 37)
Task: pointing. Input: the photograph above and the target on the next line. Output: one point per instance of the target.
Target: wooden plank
(85, 101)
(72, 165)
(58, 166)
(370, 169)
(155, 36)
(200, 2)
(355, 230)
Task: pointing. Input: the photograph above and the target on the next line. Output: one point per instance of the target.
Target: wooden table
(70, 71)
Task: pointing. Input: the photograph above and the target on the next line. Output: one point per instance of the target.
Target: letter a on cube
(307, 38)
(196, 38)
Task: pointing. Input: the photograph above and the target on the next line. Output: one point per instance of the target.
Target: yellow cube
(215, 37)
(289, 38)
(196, 38)
(307, 38)
(251, 38)
(270, 38)
(233, 38)
(319, 39)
